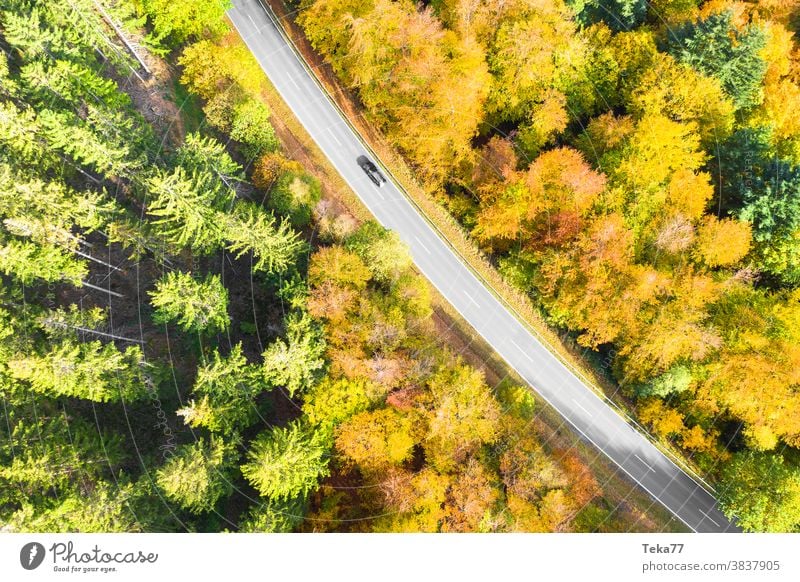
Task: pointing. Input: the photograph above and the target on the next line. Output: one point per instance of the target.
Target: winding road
(592, 417)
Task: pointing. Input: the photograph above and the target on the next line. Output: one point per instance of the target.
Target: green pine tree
(197, 476)
(200, 306)
(286, 462)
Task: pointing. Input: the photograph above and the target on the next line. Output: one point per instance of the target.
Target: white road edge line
(545, 398)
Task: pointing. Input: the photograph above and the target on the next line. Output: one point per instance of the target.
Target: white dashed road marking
(578, 404)
(471, 299)
(524, 353)
(420, 243)
(333, 135)
(643, 462)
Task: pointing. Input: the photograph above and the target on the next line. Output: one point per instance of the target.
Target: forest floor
(173, 112)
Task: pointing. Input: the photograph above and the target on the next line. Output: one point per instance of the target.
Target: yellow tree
(593, 287)
(530, 55)
(495, 162)
(677, 91)
(756, 375)
(546, 203)
(721, 243)
(471, 501)
(463, 415)
(374, 441)
(659, 174)
(405, 66)
(781, 93)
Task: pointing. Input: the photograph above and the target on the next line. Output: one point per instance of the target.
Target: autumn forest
(198, 334)
(635, 168)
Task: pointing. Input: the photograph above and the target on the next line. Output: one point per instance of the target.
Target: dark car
(371, 170)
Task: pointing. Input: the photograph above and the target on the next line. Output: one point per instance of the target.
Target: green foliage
(367, 371)
(68, 136)
(200, 306)
(598, 519)
(295, 195)
(100, 141)
(284, 463)
(331, 402)
(229, 79)
(223, 393)
(38, 218)
(764, 190)
(29, 199)
(763, 491)
(105, 509)
(252, 128)
(176, 22)
(91, 370)
(28, 262)
(63, 323)
(293, 292)
(52, 455)
(715, 47)
(197, 476)
(517, 400)
(71, 82)
(386, 256)
(205, 154)
(617, 14)
(186, 207)
(20, 136)
(71, 30)
(676, 379)
(274, 516)
(79, 114)
(275, 246)
(296, 363)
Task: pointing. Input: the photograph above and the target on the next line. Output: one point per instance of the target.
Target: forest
(189, 341)
(634, 167)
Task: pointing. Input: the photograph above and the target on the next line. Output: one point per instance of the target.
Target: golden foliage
(723, 242)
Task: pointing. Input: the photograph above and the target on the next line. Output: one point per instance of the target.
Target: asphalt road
(590, 416)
